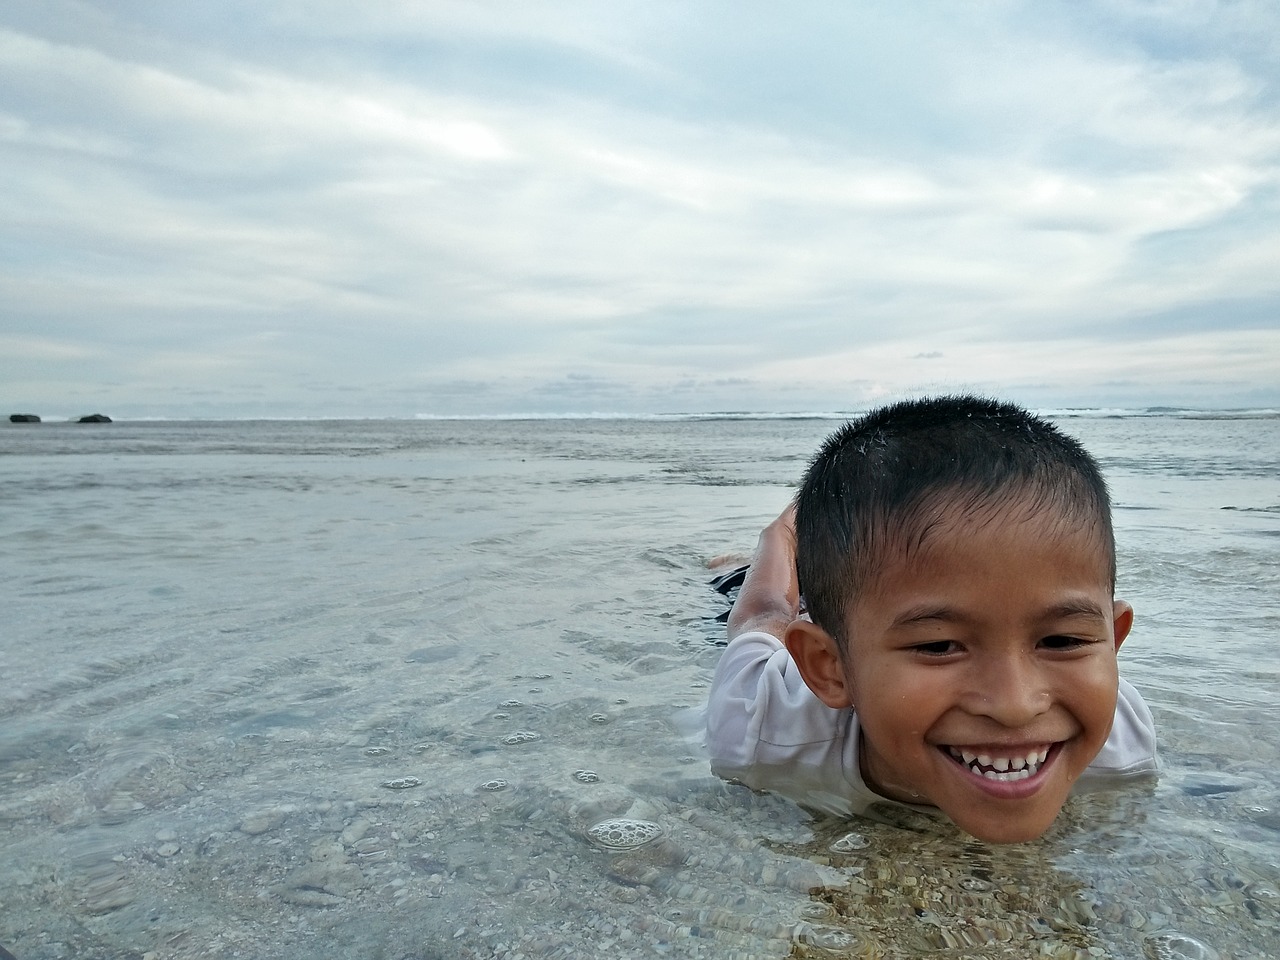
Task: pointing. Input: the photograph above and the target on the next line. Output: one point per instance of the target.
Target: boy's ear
(1122, 620)
(818, 658)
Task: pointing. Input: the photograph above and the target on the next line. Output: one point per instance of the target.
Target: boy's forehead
(949, 529)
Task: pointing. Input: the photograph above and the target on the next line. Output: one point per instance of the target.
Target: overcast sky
(265, 207)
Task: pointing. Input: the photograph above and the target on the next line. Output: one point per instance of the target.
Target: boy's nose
(1010, 691)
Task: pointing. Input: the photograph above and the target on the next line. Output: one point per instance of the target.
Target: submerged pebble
(262, 821)
(623, 833)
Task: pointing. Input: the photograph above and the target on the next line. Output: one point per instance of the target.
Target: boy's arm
(770, 595)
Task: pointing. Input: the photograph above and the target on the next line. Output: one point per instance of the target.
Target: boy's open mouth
(1002, 769)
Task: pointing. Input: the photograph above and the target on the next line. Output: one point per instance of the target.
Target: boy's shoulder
(766, 729)
(1131, 746)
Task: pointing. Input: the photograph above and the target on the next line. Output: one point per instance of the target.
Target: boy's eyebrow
(926, 612)
(1076, 607)
(1071, 607)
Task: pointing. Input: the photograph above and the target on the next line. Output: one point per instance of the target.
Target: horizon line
(1048, 411)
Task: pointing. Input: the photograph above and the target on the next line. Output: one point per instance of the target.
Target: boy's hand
(770, 596)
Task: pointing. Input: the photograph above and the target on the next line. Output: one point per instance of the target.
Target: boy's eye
(936, 648)
(1061, 642)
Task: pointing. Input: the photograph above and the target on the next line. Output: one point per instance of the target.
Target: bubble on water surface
(586, 776)
(401, 783)
(494, 785)
(598, 718)
(521, 736)
(830, 938)
(624, 833)
(816, 910)
(849, 843)
(511, 703)
(1178, 946)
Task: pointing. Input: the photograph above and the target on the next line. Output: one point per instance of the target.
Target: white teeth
(1002, 769)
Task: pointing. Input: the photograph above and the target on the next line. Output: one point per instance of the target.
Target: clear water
(361, 689)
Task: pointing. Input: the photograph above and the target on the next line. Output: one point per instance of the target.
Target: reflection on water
(409, 691)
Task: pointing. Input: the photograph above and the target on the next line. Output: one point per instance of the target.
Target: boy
(959, 649)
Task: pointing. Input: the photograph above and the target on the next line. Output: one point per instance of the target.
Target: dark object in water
(729, 584)
(91, 418)
(21, 418)
(1207, 788)
(726, 582)
(6, 955)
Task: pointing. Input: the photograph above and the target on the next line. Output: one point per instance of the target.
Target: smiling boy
(959, 647)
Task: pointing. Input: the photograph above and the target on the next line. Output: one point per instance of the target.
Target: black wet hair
(880, 483)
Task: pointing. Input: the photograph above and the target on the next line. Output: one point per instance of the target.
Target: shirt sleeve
(767, 729)
(1131, 746)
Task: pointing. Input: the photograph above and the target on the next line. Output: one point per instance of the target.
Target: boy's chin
(999, 827)
(1002, 834)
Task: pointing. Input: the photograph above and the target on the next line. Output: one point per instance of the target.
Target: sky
(396, 209)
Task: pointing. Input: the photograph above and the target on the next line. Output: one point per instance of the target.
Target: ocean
(369, 689)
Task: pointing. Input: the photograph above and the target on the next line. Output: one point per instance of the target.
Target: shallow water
(362, 689)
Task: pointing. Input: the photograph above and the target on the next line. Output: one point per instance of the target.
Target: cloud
(522, 194)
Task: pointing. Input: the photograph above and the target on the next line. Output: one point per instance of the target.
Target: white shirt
(767, 729)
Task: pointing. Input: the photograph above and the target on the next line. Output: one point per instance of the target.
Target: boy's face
(983, 668)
